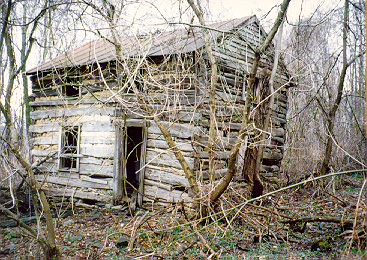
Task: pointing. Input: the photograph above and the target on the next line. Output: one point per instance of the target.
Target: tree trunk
(224, 182)
(325, 166)
(213, 82)
(251, 170)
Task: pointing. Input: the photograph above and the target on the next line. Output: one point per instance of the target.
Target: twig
(137, 224)
(195, 230)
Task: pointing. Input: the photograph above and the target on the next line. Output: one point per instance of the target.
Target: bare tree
(15, 157)
(316, 103)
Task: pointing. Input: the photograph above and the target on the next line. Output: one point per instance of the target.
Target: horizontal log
(218, 155)
(279, 132)
(72, 182)
(69, 112)
(278, 121)
(165, 177)
(172, 170)
(162, 144)
(103, 138)
(277, 156)
(278, 139)
(279, 109)
(166, 158)
(96, 170)
(221, 142)
(176, 130)
(92, 124)
(158, 184)
(281, 97)
(46, 140)
(228, 126)
(43, 152)
(279, 115)
(154, 192)
(65, 192)
(63, 102)
(44, 128)
(272, 168)
(97, 161)
(98, 126)
(219, 173)
(99, 151)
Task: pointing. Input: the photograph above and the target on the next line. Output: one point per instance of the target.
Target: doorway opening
(132, 151)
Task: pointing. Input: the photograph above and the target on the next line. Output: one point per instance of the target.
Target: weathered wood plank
(44, 153)
(177, 130)
(45, 128)
(75, 193)
(166, 177)
(45, 140)
(278, 139)
(153, 192)
(166, 158)
(97, 161)
(98, 126)
(97, 170)
(158, 184)
(60, 112)
(279, 132)
(162, 144)
(172, 170)
(73, 182)
(102, 138)
(218, 155)
(92, 124)
(272, 155)
(278, 121)
(99, 151)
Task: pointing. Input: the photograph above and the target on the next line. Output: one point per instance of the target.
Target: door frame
(120, 130)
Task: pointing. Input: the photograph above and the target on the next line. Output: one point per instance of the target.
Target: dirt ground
(304, 222)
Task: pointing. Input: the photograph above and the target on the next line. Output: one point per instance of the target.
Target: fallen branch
(347, 222)
(195, 230)
(137, 224)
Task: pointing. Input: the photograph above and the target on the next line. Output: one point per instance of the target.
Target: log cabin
(95, 139)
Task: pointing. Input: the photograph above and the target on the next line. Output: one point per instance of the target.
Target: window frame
(62, 155)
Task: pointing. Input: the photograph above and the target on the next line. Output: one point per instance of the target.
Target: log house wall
(187, 118)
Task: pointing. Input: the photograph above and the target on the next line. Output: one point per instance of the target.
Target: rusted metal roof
(174, 42)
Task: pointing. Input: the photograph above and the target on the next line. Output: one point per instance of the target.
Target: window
(70, 88)
(69, 148)
(70, 91)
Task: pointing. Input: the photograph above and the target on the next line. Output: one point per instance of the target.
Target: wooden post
(117, 171)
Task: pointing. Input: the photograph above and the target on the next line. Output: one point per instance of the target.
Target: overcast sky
(219, 10)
